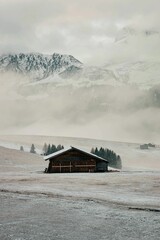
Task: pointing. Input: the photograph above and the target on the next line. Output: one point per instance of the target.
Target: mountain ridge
(65, 69)
(36, 65)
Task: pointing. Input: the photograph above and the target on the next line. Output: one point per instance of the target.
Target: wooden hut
(144, 146)
(75, 160)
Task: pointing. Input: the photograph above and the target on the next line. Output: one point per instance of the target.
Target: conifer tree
(32, 150)
(92, 151)
(119, 162)
(59, 147)
(53, 149)
(45, 148)
(96, 151)
(48, 150)
(21, 148)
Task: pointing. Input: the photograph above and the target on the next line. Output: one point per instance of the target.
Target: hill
(133, 158)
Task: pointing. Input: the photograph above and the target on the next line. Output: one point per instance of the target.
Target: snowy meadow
(120, 205)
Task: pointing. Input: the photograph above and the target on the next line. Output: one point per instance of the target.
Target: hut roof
(53, 155)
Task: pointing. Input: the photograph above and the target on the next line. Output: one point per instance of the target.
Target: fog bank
(102, 112)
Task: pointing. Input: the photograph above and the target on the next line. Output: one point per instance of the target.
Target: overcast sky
(83, 28)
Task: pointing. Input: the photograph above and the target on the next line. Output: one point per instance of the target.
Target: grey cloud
(75, 27)
(104, 112)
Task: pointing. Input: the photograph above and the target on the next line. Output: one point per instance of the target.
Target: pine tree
(32, 150)
(45, 148)
(92, 151)
(59, 147)
(101, 152)
(48, 150)
(21, 148)
(119, 162)
(96, 151)
(53, 149)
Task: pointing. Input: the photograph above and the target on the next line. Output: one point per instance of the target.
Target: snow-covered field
(35, 205)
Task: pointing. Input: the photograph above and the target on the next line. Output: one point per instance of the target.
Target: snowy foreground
(34, 205)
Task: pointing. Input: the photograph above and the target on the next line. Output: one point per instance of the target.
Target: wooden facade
(75, 160)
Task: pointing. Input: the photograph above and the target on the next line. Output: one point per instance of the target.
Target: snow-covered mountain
(38, 66)
(141, 74)
(65, 69)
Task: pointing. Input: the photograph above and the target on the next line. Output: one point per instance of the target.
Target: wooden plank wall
(72, 162)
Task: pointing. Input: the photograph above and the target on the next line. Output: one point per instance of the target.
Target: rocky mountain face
(38, 66)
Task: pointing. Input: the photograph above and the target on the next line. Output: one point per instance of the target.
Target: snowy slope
(143, 74)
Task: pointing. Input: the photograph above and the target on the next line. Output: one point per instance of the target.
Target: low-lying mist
(123, 113)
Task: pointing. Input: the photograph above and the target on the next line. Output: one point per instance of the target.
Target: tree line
(47, 148)
(113, 159)
(51, 148)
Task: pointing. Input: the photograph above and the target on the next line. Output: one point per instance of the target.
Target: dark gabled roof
(58, 153)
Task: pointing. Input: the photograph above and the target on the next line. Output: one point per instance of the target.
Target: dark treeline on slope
(111, 156)
(51, 148)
